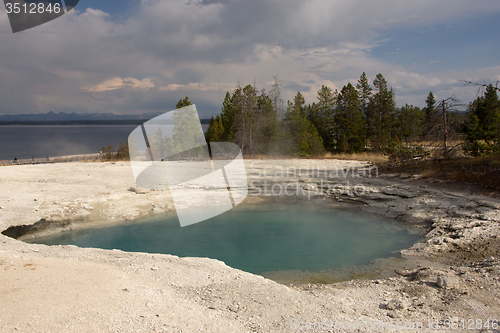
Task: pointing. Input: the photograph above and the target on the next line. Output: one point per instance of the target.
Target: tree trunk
(445, 131)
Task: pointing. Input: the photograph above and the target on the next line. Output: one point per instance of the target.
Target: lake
(39, 141)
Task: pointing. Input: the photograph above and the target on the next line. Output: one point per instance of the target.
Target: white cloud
(213, 87)
(169, 49)
(119, 83)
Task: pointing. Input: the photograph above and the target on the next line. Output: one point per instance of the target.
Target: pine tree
(483, 127)
(107, 153)
(208, 132)
(410, 123)
(215, 130)
(158, 145)
(267, 134)
(244, 118)
(430, 114)
(473, 144)
(123, 151)
(298, 135)
(187, 133)
(488, 113)
(132, 148)
(298, 103)
(211, 122)
(349, 121)
(183, 102)
(381, 114)
(255, 126)
(364, 92)
(227, 117)
(321, 114)
(239, 124)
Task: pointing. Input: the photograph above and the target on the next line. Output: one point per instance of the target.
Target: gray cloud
(296, 87)
(201, 48)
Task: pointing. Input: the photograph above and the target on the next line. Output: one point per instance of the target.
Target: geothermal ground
(451, 283)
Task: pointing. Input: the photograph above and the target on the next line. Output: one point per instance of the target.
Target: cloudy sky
(136, 56)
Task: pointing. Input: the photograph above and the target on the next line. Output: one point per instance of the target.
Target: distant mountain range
(61, 118)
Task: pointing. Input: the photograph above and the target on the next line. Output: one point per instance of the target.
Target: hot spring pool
(258, 238)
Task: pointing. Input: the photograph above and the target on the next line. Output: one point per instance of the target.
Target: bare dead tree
(445, 131)
(482, 86)
(275, 95)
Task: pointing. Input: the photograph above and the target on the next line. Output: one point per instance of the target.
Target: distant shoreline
(74, 122)
(82, 122)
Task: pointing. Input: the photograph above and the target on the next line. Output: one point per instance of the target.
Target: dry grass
(374, 157)
(483, 171)
(275, 156)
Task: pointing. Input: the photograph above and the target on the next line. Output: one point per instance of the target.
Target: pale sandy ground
(68, 289)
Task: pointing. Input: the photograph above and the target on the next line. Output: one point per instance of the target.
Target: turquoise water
(258, 238)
